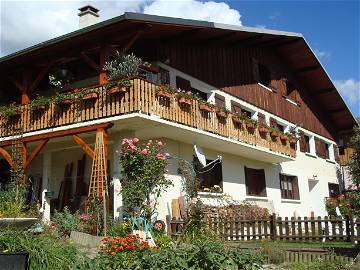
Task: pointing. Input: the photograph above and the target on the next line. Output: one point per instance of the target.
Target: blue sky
(331, 27)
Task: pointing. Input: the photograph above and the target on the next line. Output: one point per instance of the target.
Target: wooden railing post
(350, 228)
(273, 226)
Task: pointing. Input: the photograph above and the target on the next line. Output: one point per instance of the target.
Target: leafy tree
(354, 165)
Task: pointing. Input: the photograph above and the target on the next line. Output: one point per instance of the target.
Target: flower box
(236, 120)
(292, 141)
(250, 125)
(117, 90)
(274, 134)
(205, 107)
(284, 138)
(14, 260)
(163, 94)
(40, 108)
(66, 102)
(184, 101)
(90, 96)
(263, 131)
(221, 114)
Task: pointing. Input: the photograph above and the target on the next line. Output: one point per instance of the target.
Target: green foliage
(40, 101)
(163, 241)
(118, 229)
(10, 111)
(272, 252)
(123, 66)
(143, 168)
(223, 110)
(354, 165)
(321, 264)
(44, 252)
(65, 221)
(165, 88)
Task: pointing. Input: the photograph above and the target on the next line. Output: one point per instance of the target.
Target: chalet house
(272, 77)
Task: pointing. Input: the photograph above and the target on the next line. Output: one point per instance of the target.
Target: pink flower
(125, 141)
(167, 155)
(135, 140)
(160, 156)
(160, 143)
(189, 93)
(179, 90)
(144, 151)
(131, 147)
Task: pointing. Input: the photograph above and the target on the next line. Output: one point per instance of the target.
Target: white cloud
(219, 12)
(322, 54)
(349, 90)
(25, 23)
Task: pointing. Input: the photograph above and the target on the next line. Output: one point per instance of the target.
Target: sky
(332, 28)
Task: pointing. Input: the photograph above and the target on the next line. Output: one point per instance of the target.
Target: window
(246, 112)
(322, 148)
(219, 101)
(235, 107)
(334, 190)
(164, 76)
(261, 118)
(289, 187)
(255, 182)
(304, 142)
(208, 176)
(280, 127)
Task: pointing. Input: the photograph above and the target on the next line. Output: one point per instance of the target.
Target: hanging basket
(220, 114)
(118, 90)
(236, 120)
(274, 135)
(284, 138)
(184, 101)
(164, 94)
(263, 131)
(205, 108)
(90, 96)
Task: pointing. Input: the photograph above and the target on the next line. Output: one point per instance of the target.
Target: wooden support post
(273, 226)
(104, 57)
(35, 153)
(7, 156)
(87, 149)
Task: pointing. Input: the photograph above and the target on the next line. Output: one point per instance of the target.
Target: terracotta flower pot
(66, 102)
(163, 94)
(292, 141)
(250, 125)
(117, 90)
(205, 107)
(274, 134)
(89, 96)
(236, 120)
(221, 114)
(284, 138)
(263, 130)
(184, 101)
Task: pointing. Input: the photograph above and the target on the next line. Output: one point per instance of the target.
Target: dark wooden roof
(292, 47)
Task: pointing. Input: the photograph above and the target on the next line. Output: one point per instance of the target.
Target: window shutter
(255, 182)
(261, 183)
(336, 153)
(219, 100)
(317, 147)
(255, 67)
(261, 118)
(295, 188)
(302, 142)
(235, 107)
(183, 84)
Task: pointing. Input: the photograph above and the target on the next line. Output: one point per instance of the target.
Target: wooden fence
(140, 98)
(309, 229)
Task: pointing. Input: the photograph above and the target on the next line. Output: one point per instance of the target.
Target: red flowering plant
(348, 203)
(143, 175)
(125, 249)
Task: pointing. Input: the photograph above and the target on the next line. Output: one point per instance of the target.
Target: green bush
(272, 252)
(65, 221)
(44, 252)
(321, 264)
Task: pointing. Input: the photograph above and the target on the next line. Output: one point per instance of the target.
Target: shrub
(244, 210)
(65, 221)
(321, 264)
(272, 252)
(44, 252)
(118, 229)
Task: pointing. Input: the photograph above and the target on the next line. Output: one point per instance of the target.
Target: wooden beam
(104, 56)
(38, 78)
(7, 156)
(17, 84)
(132, 41)
(35, 152)
(87, 149)
(61, 133)
(324, 91)
(182, 35)
(306, 69)
(336, 110)
(89, 61)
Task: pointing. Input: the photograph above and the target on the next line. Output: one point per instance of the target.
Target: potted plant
(11, 111)
(89, 93)
(263, 129)
(283, 137)
(165, 91)
(183, 97)
(39, 103)
(249, 122)
(206, 106)
(222, 112)
(274, 133)
(120, 70)
(237, 119)
(63, 99)
(293, 136)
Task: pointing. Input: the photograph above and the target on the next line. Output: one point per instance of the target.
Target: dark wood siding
(232, 69)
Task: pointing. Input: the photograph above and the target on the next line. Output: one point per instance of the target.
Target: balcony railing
(140, 97)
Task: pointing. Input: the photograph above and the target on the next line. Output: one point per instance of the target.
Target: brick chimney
(88, 15)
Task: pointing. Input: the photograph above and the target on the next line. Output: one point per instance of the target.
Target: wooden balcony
(140, 98)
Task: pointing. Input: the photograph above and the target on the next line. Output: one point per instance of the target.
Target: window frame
(292, 190)
(258, 188)
(201, 176)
